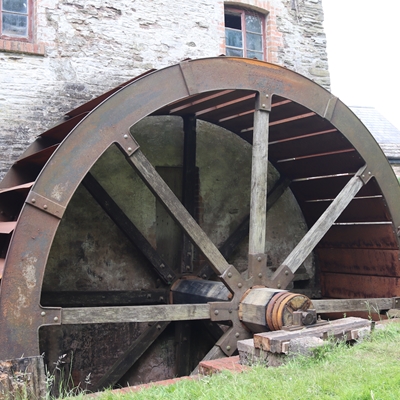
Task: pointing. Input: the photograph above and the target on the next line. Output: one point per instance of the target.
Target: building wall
(85, 47)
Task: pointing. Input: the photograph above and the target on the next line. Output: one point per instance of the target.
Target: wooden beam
(130, 356)
(178, 212)
(320, 228)
(259, 178)
(100, 315)
(346, 305)
(128, 228)
(104, 298)
(189, 185)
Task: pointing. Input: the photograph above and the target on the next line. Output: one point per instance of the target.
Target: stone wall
(85, 47)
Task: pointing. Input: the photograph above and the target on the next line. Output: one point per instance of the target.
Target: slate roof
(384, 132)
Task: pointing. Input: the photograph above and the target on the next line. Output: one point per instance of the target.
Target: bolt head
(216, 312)
(129, 148)
(125, 136)
(45, 206)
(33, 201)
(228, 348)
(229, 275)
(162, 266)
(187, 267)
(286, 273)
(237, 334)
(42, 313)
(260, 275)
(278, 285)
(239, 285)
(158, 327)
(55, 319)
(259, 259)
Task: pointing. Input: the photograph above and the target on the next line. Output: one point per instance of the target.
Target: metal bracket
(45, 204)
(366, 176)
(234, 281)
(228, 341)
(396, 302)
(128, 144)
(281, 278)
(224, 310)
(257, 268)
(50, 316)
(263, 102)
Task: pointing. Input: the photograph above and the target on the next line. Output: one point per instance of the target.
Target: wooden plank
(319, 229)
(259, 178)
(214, 354)
(273, 341)
(359, 261)
(100, 315)
(128, 227)
(104, 298)
(178, 212)
(347, 286)
(347, 305)
(130, 356)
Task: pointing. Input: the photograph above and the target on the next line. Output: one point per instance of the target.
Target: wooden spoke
(346, 305)
(178, 211)
(101, 315)
(128, 227)
(321, 227)
(130, 356)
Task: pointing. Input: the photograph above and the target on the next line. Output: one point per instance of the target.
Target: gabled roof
(384, 132)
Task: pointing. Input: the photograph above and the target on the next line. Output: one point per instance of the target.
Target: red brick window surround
(245, 33)
(17, 27)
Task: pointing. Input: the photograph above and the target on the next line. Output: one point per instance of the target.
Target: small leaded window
(244, 34)
(15, 21)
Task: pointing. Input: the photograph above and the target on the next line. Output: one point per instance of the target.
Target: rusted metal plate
(321, 164)
(361, 236)
(60, 131)
(7, 227)
(347, 286)
(359, 261)
(320, 142)
(2, 261)
(39, 158)
(361, 209)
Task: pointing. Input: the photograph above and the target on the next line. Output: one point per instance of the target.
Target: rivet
(239, 285)
(129, 148)
(260, 275)
(45, 206)
(125, 136)
(266, 96)
(259, 259)
(55, 319)
(230, 311)
(286, 273)
(263, 106)
(158, 327)
(216, 312)
(187, 267)
(204, 276)
(363, 176)
(237, 334)
(149, 295)
(229, 275)
(228, 348)
(33, 201)
(161, 299)
(162, 266)
(169, 276)
(42, 313)
(369, 173)
(279, 286)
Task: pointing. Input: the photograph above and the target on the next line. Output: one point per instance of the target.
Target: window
(15, 22)
(244, 33)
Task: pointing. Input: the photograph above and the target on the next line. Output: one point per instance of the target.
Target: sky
(363, 39)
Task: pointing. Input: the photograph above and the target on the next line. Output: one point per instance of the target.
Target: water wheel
(132, 232)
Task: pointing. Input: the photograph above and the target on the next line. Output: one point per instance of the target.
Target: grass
(368, 370)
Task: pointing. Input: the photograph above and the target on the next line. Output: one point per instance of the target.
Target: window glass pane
(233, 21)
(14, 25)
(234, 52)
(19, 6)
(233, 38)
(253, 23)
(254, 41)
(255, 54)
